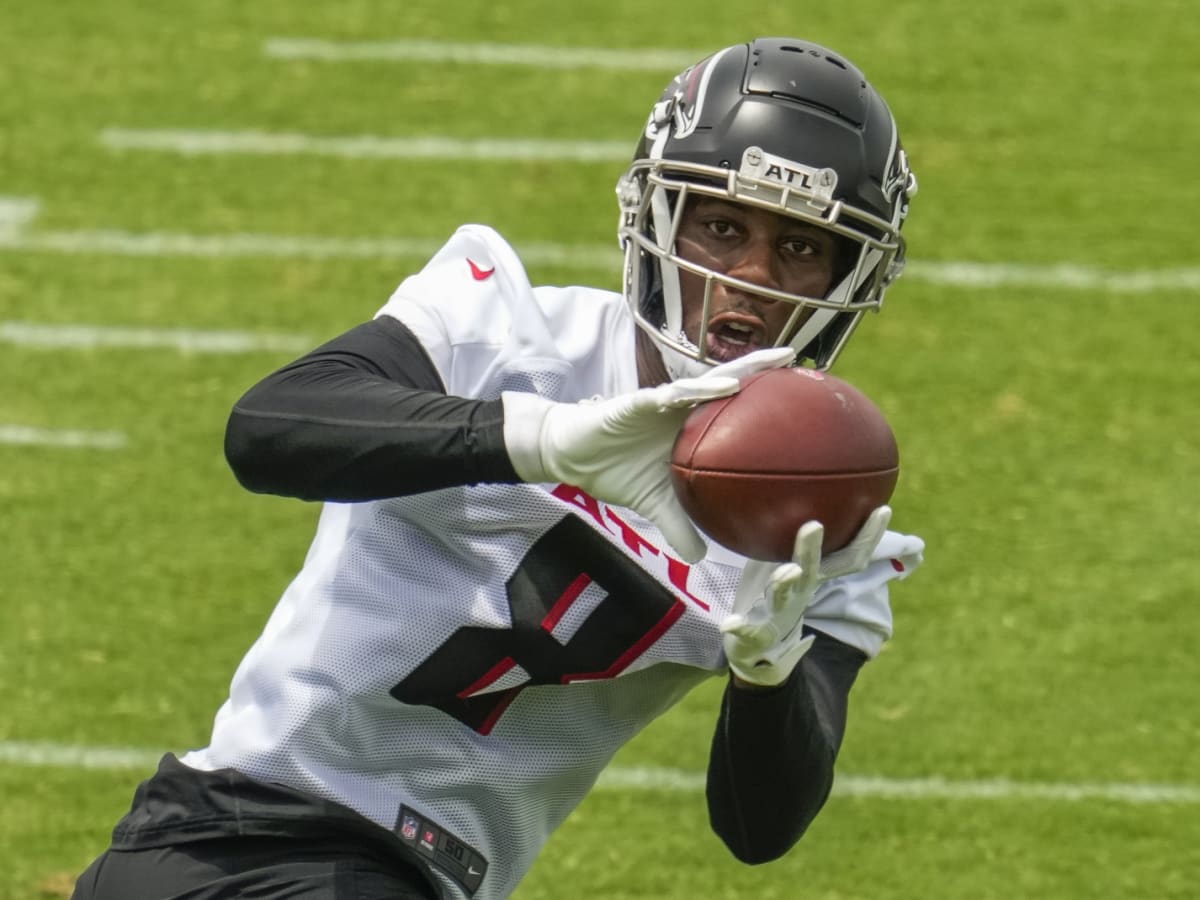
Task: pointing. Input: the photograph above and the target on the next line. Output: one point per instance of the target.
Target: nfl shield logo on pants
(408, 829)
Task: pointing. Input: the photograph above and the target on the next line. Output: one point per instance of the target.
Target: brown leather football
(791, 446)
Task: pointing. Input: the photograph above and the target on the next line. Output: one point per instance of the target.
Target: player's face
(754, 245)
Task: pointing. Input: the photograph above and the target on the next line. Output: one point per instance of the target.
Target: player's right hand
(618, 449)
(764, 634)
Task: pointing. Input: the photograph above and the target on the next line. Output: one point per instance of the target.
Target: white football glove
(618, 450)
(764, 635)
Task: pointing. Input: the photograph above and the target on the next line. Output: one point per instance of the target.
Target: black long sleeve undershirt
(363, 417)
(770, 769)
(366, 416)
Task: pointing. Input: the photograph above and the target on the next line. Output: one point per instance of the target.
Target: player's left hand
(764, 635)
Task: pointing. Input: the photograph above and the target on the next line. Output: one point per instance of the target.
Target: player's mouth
(733, 335)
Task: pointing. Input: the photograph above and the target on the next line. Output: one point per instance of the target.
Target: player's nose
(755, 263)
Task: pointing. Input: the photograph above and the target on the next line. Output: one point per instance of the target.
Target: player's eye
(809, 245)
(721, 227)
(800, 247)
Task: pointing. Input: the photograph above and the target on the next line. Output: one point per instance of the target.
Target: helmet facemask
(654, 195)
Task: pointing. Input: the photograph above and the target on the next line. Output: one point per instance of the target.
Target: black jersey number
(465, 676)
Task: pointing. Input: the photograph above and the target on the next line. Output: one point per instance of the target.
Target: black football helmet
(787, 126)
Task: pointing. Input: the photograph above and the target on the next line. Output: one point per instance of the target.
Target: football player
(502, 589)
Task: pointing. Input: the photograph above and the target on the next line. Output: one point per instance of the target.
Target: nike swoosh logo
(471, 870)
(477, 273)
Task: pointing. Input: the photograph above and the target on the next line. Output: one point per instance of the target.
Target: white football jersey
(460, 665)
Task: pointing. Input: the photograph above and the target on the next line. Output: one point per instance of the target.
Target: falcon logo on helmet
(682, 102)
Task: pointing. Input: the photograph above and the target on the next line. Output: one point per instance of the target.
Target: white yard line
(1064, 276)
(531, 55)
(265, 246)
(1005, 789)
(937, 788)
(69, 756)
(18, 213)
(18, 753)
(364, 146)
(76, 337)
(28, 436)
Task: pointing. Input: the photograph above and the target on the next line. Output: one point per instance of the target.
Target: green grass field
(1032, 730)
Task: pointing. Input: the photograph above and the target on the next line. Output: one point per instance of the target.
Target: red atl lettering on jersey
(677, 574)
(480, 274)
(583, 500)
(677, 570)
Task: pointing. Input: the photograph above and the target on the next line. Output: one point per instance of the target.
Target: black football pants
(265, 868)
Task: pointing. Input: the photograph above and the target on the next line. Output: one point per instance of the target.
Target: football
(791, 446)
